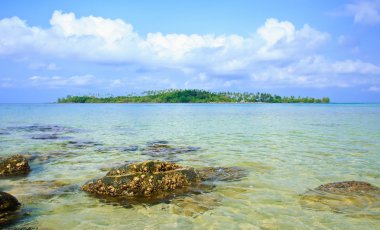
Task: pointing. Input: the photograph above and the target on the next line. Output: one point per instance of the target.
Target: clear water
(286, 148)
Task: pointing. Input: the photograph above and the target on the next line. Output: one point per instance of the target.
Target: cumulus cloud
(114, 41)
(365, 12)
(318, 72)
(277, 53)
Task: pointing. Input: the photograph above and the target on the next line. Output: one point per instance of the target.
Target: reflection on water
(282, 150)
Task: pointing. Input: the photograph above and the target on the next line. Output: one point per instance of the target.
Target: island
(192, 96)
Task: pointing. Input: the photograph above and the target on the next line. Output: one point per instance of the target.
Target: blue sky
(49, 49)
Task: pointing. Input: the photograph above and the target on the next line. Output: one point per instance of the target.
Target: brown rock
(347, 187)
(145, 179)
(14, 166)
(351, 197)
(8, 204)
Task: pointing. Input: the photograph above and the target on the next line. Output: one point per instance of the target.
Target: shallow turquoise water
(286, 148)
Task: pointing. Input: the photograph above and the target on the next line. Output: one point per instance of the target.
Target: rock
(14, 166)
(353, 197)
(152, 182)
(222, 173)
(8, 204)
(347, 187)
(149, 179)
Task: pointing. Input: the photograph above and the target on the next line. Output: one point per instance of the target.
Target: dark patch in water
(130, 148)
(125, 130)
(48, 137)
(195, 205)
(163, 149)
(158, 142)
(4, 132)
(80, 144)
(328, 125)
(222, 173)
(43, 128)
(45, 137)
(39, 158)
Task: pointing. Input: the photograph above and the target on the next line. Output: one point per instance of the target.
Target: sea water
(286, 149)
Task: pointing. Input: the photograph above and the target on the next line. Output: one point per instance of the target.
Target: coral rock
(145, 179)
(14, 166)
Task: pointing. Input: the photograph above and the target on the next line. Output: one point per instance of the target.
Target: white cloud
(42, 65)
(277, 53)
(365, 12)
(374, 89)
(57, 81)
(321, 65)
(6, 82)
(110, 31)
(273, 31)
(115, 83)
(355, 66)
(317, 72)
(114, 41)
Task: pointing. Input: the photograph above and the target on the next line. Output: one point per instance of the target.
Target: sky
(50, 49)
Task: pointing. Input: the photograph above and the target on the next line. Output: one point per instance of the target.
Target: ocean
(286, 151)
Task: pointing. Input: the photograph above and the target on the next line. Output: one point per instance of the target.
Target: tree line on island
(193, 96)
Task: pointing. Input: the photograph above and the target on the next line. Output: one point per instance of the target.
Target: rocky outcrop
(145, 179)
(14, 166)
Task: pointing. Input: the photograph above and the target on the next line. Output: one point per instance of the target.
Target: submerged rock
(343, 197)
(14, 166)
(80, 144)
(145, 179)
(163, 149)
(8, 204)
(4, 132)
(159, 142)
(43, 128)
(45, 137)
(222, 173)
(347, 187)
(194, 205)
(130, 148)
